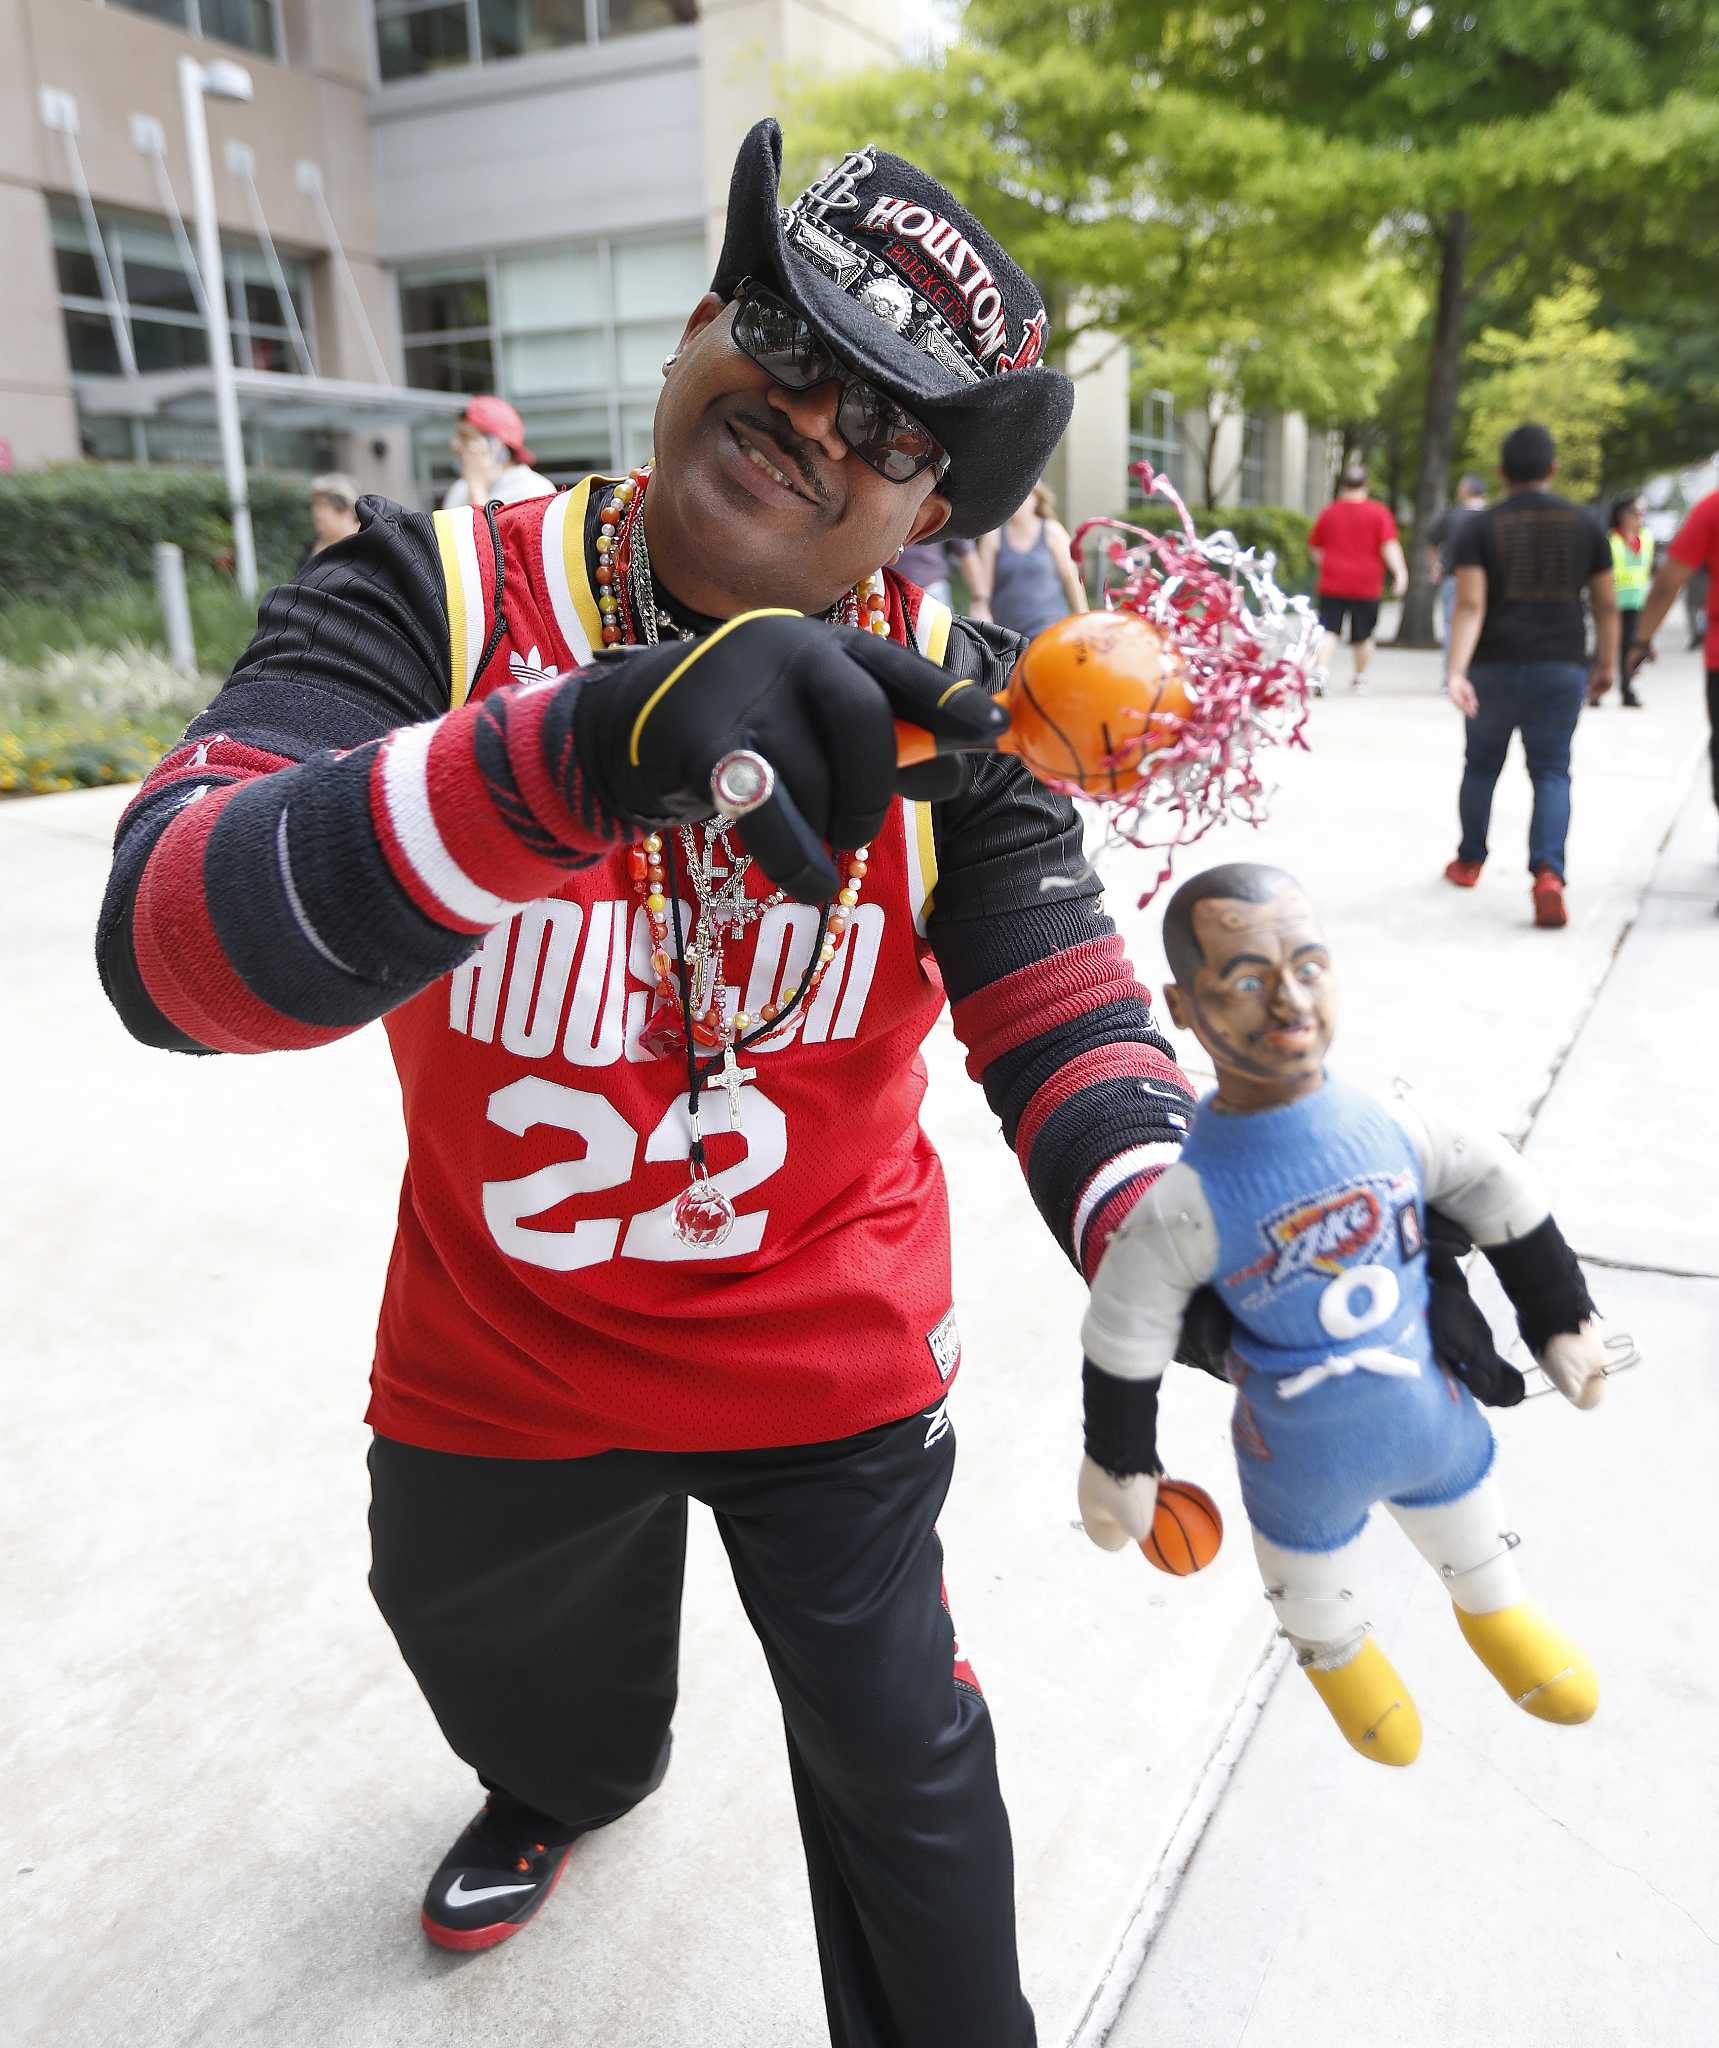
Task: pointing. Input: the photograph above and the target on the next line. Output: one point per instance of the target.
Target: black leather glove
(1461, 1335)
(818, 702)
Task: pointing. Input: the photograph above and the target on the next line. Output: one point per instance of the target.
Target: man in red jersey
(670, 1228)
(594, 800)
(1694, 550)
(1353, 542)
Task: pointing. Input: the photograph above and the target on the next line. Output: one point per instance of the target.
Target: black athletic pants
(1627, 623)
(1713, 728)
(538, 1605)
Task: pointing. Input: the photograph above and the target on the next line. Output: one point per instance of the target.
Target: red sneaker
(1464, 873)
(1549, 908)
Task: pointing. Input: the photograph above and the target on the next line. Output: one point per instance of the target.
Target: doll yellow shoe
(1371, 1705)
(1537, 1664)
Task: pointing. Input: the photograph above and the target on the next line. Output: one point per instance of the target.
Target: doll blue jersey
(1340, 1402)
(1317, 1207)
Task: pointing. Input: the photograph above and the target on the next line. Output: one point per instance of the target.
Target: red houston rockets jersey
(330, 838)
(541, 1129)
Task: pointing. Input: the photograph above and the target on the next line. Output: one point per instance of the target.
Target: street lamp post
(225, 81)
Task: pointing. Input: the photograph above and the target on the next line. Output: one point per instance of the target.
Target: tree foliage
(1564, 371)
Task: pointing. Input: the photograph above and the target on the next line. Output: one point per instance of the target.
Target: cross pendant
(734, 1077)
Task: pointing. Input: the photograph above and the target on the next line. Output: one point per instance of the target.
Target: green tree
(1565, 372)
(1332, 360)
(1524, 132)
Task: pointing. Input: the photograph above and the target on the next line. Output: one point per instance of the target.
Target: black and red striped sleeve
(1058, 1031)
(328, 838)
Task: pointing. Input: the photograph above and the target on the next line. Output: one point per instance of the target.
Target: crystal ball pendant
(703, 1215)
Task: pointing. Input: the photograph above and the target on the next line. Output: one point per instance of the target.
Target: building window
(574, 335)
(418, 36)
(1251, 489)
(252, 24)
(1154, 439)
(158, 305)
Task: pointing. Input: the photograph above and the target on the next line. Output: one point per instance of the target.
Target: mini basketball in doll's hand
(1187, 1530)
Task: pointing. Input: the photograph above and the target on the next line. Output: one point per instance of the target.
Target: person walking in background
(1632, 571)
(926, 564)
(1694, 551)
(1441, 540)
(1516, 657)
(332, 518)
(1028, 569)
(1354, 540)
(495, 464)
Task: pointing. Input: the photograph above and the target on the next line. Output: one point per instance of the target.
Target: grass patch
(78, 719)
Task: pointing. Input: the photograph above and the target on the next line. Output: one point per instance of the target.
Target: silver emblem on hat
(836, 190)
(941, 349)
(889, 299)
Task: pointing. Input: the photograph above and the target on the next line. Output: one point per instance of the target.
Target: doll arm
(1162, 1251)
(1481, 1180)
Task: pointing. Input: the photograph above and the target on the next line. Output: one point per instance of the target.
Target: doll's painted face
(1262, 999)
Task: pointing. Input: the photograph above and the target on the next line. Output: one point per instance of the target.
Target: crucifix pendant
(734, 1078)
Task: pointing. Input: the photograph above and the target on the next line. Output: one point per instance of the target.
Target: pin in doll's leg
(1471, 1546)
(1313, 1593)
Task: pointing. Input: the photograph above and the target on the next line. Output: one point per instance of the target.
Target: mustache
(789, 446)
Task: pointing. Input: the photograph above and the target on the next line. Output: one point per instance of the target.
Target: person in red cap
(495, 464)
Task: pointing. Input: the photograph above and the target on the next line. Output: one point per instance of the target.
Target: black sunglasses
(885, 436)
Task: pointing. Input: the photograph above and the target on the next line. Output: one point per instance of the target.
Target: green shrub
(124, 615)
(91, 716)
(1277, 528)
(80, 523)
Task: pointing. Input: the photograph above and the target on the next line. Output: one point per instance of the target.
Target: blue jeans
(1446, 604)
(1542, 700)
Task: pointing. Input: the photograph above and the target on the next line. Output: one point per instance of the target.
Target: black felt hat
(899, 279)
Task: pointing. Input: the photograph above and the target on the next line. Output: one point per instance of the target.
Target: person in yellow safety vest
(1632, 571)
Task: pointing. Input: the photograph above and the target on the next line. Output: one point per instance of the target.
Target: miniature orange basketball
(1187, 1529)
(1091, 699)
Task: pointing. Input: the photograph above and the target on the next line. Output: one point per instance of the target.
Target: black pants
(1627, 623)
(1713, 727)
(538, 1605)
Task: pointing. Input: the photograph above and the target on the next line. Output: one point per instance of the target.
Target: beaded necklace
(692, 1008)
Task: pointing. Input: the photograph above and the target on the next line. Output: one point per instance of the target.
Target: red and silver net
(1248, 649)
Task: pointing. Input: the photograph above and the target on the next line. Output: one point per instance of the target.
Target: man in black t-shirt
(1517, 658)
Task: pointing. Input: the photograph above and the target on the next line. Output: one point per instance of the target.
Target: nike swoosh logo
(459, 1896)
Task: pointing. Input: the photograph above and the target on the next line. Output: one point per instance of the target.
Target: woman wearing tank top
(1030, 569)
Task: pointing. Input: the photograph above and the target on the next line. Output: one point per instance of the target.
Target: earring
(669, 361)
(900, 551)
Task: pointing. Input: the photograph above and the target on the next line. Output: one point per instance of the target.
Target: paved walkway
(224, 1792)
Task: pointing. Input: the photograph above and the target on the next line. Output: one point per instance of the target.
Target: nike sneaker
(502, 1868)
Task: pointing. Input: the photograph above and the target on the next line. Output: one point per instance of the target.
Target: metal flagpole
(226, 81)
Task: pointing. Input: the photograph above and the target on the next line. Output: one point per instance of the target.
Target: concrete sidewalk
(225, 1793)
(1522, 1883)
